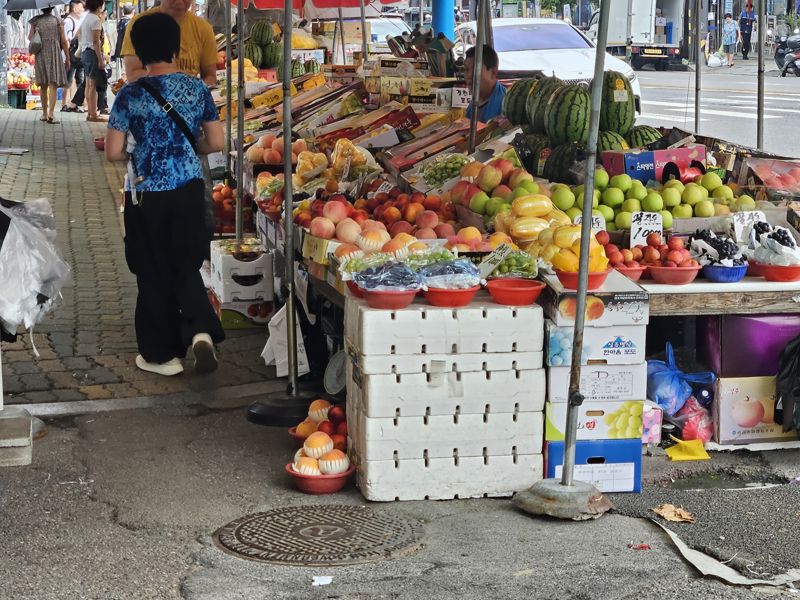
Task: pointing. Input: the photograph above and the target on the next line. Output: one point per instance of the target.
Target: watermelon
(558, 163)
(261, 32)
(312, 66)
(540, 147)
(254, 53)
(538, 96)
(566, 116)
(618, 107)
(298, 69)
(273, 56)
(514, 101)
(608, 140)
(642, 135)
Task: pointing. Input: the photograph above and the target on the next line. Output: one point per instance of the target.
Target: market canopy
(323, 9)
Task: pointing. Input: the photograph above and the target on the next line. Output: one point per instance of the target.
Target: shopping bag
(668, 386)
(276, 350)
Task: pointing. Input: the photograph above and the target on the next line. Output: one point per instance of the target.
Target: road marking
(674, 106)
(670, 118)
(720, 90)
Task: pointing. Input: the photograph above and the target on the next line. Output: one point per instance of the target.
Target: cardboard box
(610, 465)
(615, 345)
(744, 411)
(254, 314)
(611, 383)
(649, 164)
(661, 22)
(745, 345)
(318, 249)
(597, 421)
(619, 301)
(405, 67)
(660, 39)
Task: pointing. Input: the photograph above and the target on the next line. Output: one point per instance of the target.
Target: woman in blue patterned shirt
(165, 239)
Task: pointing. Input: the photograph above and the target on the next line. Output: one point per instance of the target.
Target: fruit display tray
(386, 395)
(481, 327)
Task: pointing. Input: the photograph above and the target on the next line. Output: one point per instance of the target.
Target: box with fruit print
(619, 301)
(744, 412)
(242, 272)
(597, 421)
(615, 345)
(250, 314)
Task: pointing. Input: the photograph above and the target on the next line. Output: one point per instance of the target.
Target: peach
(370, 225)
(651, 255)
(412, 211)
(391, 215)
(637, 253)
(616, 258)
(347, 250)
(277, 145)
(299, 146)
(417, 197)
(360, 203)
(462, 248)
(611, 248)
(432, 203)
(294, 158)
(418, 247)
(359, 216)
(271, 157)
(395, 192)
(371, 241)
(427, 219)
(335, 210)
(406, 238)
(347, 230)
(469, 234)
(676, 256)
(444, 231)
(425, 233)
(504, 166)
(400, 227)
(265, 141)
(322, 227)
(627, 255)
(396, 247)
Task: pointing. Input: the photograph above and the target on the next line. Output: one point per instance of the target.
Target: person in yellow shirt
(198, 54)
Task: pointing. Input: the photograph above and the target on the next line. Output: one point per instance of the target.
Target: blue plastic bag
(668, 386)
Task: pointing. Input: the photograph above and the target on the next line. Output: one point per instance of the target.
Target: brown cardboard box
(744, 410)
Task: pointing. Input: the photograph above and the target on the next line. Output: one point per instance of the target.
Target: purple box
(745, 346)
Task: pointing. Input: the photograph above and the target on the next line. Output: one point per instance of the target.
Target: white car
(548, 46)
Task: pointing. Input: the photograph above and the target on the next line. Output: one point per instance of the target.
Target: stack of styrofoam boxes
(242, 289)
(613, 381)
(445, 403)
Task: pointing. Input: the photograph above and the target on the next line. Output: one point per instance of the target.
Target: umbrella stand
(477, 66)
(569, 499)
(289, 408)
(228, 92)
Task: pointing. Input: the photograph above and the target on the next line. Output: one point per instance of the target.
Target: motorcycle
(791, 63)
(787, 45)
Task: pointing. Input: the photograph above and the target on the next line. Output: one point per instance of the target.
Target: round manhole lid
(319, 536)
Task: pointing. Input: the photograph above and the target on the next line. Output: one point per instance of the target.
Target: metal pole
(698, 61)
(762, 26)
(575, 397)
(291, 327)
(364, 46)
(341, 30)
(488, 33)
(4, 43)
(421, 13)
(228, 90)
(629, 33)
(477, 66)
(239, 118)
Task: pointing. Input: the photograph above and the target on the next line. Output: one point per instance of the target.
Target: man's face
(488, 77)
(176, 8)
(78, 8)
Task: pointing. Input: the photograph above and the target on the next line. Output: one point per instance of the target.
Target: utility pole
(698, 61)
(629, 33)
(762, 26)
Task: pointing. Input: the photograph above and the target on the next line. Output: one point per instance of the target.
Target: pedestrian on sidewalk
(166, 120)
(122, 26)
(91, 53)
(746, 20)
(51, 65)
(731, 35)
(72, 23)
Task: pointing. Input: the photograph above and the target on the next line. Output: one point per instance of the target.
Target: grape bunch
(724, 246)
(702, 234)
(626, 421)
(560, 347)
(783, 237)
(516, 264)
(436, 172)
(762, 227)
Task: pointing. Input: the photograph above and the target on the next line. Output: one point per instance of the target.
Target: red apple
(675, 243)
(602, 238)
(627, 255)
(615, 258)
(747, 412)
(611, 248)
(336, 415)
(632, 264)
(675, 256)
(652, 255)
(339, 442)
(654, 239)
(327, 427)
(668, 263)
(341, 428)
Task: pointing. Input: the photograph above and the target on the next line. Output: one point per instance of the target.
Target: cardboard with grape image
(597, 421)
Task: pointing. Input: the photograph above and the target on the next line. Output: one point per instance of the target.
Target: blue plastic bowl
(723, 274)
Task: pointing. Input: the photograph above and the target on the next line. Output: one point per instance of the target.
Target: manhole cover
(319, 536)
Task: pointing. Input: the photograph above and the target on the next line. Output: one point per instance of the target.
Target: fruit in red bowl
(320, 484)
(513, 291)
(569, 279)
(673, 275)
(634, 271)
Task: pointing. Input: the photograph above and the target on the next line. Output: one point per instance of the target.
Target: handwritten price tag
(461, 97)
(598, 222)
(743, 222)
(642, 225)
(491, 262)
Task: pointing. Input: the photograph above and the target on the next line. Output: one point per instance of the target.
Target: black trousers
(165, 242)
(746, 43)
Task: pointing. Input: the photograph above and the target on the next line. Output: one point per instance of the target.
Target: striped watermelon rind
(610, 140)
(537, 144)
(642, 135)
(539, 94)
(618, 108)
(514, 101)
(254, 53)
(273, 56)
(566, 116)
(261, 32)
(561, 159)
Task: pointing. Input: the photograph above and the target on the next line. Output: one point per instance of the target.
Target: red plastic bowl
(451, 298)
(354, 289)
(674, 275)
(299, 440)
(514, 291)
(779, 272)
(754, 269)
(320, 484)
(569, 279)
(632, 273)
(390, 300)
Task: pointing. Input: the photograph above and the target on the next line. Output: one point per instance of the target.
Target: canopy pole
(698, 61)
(762, 26)
(240, 35)
(364, 44)
(477, 66)
(228, 91)
(341, 31)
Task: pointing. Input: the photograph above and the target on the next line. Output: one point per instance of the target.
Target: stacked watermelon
(254, 53)
(262, 36)
(642, 135)
(608, 140)
(515, 101)
(566, 116)
(312, 66)
(273, 56)
(538, 96)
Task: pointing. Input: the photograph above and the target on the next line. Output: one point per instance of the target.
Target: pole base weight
(281, 409)
(578, 502)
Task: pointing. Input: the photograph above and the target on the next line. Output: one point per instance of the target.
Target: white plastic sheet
(277, 350)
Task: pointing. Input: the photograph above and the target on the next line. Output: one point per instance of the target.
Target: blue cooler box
(609, 465)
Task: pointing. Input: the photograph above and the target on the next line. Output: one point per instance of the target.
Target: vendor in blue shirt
(490, 103)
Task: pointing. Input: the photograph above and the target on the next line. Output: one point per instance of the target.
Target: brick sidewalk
(87, 346)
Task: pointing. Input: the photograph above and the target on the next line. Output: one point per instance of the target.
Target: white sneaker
(205, 359)
(169, 368)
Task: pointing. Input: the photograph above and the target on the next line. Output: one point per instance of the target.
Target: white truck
(654, 27)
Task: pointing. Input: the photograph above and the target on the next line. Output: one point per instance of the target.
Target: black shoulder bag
(171, 112)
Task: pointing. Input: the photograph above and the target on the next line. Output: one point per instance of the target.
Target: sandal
(96, 120)
(52, 121)
(43, 119)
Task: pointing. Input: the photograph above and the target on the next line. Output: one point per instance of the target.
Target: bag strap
(171, 112)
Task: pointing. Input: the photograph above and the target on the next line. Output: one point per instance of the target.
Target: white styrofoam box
(446, 478)
(480, 327)
(440, 363)
(432, 394)
(600, 382)
(614, 345)
(226, 268)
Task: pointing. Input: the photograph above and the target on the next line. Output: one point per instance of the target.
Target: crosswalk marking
(682, 107)
(670, 118)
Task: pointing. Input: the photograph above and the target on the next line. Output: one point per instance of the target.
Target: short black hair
(73, 3)
(728, 15)
(490, 58)
(127, 9)
(47, 10)
(156, 37)
(93, 5)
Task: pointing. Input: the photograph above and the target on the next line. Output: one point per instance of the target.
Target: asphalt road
(728, 105)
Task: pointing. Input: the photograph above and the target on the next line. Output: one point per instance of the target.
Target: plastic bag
(392, 276)
(695, 421)
(668, 386)
(451, 275)
(787, 384)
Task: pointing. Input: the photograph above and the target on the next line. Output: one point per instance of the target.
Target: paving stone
(68, 395)
(25, 368)
(35, 382)
(95, 392)
(78, 362)
(64, 379)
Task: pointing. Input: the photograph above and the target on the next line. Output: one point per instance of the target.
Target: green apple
(595, 199)
(478, 203)
(704, 208)
(745, 202)
(682, 211)
(606, 211)
(671, 196)
(519, 192)
(611, 226)
(653, 202)
(562, 198)
(723, 192)
(631, 205)
(493, 206)
(711, 181)
(623, 220)
(573, 212)
(529, 186)
(612, 197)
(622, 182)
(675, 183)
(637, 192)
(666, 218)
(600, 179)
(692, 194)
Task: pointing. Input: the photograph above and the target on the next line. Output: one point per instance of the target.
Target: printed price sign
(598, 222)
(491, 262)
(642, 225)
(743, 222)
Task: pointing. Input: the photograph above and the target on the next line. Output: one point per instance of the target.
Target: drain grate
(319, 536)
